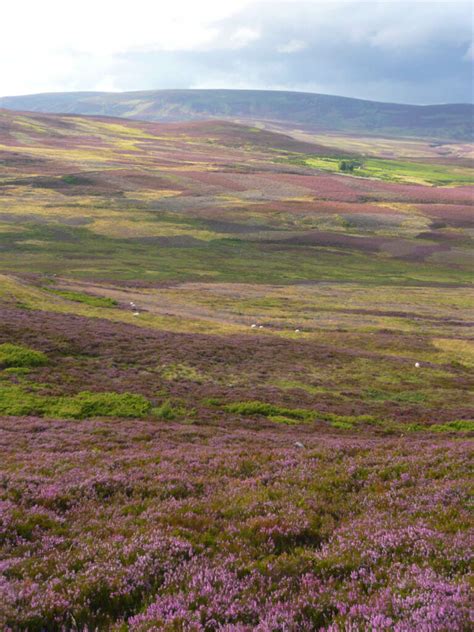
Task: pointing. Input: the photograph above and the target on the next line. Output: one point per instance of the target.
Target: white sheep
(417, 365)
(254, 326)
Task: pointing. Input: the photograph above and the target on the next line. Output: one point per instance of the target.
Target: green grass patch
(181, 371)
(79, 253)
(288, 385)
(391, 170)
(80, 297)
(18, 356)
(408, 397)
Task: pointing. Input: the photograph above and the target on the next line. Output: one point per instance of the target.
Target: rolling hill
(294, 109)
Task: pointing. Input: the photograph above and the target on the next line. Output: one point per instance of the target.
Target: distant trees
(349, 165)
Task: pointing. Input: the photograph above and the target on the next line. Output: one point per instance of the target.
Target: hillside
(197, 200)
(311, 111)
(236, 384)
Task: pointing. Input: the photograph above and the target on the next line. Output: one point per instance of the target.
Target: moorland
(236, 376)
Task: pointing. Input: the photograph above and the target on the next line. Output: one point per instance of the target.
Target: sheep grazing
(298, 444)
(297, 331)
(417, 365)
(254, 326)
(261, 327)
(136, 313)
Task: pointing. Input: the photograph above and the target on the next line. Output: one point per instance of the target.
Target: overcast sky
(414, 52)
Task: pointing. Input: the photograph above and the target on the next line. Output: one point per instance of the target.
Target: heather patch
(137, 525)
(252, 407)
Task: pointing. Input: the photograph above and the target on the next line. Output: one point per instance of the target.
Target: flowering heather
(146, 525)
(235, 391)
(205, 517)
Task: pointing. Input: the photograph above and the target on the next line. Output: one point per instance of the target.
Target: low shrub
(16, 401)
(269, 410)
(86, 404)
(458, 425)
(167, 411)
(19, 356)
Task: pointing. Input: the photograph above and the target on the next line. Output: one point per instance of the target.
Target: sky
(404, 52)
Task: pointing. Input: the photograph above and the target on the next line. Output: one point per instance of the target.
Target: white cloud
(44, 43)
(243, 37)
(293, 46)
(348, 46)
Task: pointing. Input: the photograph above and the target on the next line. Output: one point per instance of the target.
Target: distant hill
(296, 109)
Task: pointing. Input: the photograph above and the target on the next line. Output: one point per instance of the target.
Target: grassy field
(235, 383)
(395, 170)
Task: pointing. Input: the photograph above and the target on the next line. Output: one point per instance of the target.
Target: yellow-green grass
(396, 170)
(16, 292)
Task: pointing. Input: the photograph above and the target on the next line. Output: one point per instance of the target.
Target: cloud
(243, 36)
(418, 52)
(469, 54)
(293, 46)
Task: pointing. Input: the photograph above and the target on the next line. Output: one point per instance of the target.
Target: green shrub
(19, 356)
(348, 421)
(270, 410)
(15, 401)
(459, 425)
(167, 411)
(16, 370)
(280, 419)
(280, 414)
(86, 404)
(349, 165)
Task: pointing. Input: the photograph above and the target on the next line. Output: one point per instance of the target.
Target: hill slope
(312, 111)
(112, 198)
(236, 383)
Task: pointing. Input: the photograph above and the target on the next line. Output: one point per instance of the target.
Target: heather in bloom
(180, 482)
(236, 385)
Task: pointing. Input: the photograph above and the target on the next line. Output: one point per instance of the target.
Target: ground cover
(235, 392)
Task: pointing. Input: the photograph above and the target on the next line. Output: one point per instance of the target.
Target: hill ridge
(452, 121)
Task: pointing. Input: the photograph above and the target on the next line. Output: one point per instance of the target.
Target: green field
(394, 170)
